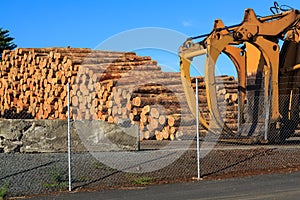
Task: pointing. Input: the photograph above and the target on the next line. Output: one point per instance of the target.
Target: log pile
(116, 87)
(33, 82)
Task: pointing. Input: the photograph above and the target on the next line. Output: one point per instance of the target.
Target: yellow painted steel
(261, 54)
(185, 64)
(214, 49)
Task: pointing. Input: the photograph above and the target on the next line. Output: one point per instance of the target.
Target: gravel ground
(33, 174)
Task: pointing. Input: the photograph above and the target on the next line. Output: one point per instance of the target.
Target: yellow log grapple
(266, 54)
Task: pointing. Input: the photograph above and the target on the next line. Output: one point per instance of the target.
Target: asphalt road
(274, 186)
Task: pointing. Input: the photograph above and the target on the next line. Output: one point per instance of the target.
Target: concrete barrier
(28, 136)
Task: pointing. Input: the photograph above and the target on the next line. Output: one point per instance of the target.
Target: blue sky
(84, 23)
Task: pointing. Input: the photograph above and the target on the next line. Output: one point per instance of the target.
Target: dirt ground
(36, 174)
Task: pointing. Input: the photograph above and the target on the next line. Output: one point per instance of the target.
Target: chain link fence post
(197, 131)
(69, 141)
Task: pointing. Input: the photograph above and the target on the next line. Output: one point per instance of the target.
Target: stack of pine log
(115, 87)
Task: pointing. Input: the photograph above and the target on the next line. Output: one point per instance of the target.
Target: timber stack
(116, 87)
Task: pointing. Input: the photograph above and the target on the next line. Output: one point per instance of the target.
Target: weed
(143, 180)
(83, 178)
(61, 185)
(4, 190)
(58, 179)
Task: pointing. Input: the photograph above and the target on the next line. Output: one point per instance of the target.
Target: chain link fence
(143, 147)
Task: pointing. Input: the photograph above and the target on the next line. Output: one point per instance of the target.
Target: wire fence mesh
(143, 147)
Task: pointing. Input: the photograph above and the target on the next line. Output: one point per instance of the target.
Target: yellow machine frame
(260, 53)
